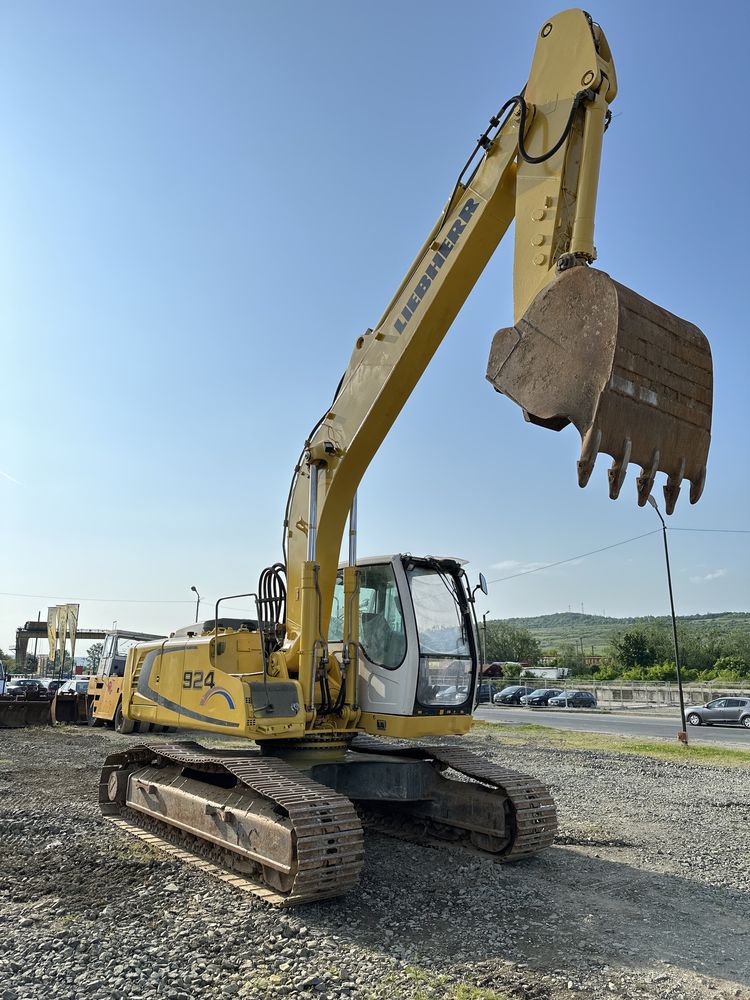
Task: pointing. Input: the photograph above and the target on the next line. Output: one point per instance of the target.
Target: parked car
(721, 711)
(573, 699)
(26, 687)
(511, 695)
(484, 693)
(452, 695)
(541, 696)
(77, 685)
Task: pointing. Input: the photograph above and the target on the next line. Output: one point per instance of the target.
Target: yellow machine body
(214, 677)
(194, 694)
(180, 682)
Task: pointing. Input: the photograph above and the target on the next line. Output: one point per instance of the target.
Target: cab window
(381, 624)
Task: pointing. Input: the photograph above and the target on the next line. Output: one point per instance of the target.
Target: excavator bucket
(635, 380)
(17, 713)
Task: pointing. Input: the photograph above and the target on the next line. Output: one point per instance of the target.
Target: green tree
(633, 650)
(94, 656)
(607, 672)
(570, 659)
(731, 666)
(59, 665)
(510, 643)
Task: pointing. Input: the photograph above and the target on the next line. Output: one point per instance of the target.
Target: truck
(103, 698)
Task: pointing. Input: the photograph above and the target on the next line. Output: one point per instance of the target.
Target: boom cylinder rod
(582, 238)
(353, 532)
(312, 519)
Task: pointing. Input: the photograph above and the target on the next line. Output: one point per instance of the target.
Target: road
(628, 723)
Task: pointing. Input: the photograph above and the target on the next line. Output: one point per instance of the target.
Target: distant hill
(552, 631)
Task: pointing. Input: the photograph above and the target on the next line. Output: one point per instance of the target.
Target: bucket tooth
(618, 470)
(591, 352)
(672, 489)
(696, 486)
(589, 451)
(645, 482)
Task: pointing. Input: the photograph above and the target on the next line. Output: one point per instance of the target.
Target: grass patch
(464, 992)
(131, 848)
(428, 984)
(544, 736)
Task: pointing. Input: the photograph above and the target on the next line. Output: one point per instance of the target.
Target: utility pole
(682, 735)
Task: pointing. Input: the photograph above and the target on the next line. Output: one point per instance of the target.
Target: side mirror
(482, 585)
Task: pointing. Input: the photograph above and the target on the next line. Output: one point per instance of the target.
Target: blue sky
(203, 205)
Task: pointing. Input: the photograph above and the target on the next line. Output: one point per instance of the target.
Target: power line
(502, 579)
(625, 541)
(101, 600)
(583, 555)
(123, 600)
(716, 531)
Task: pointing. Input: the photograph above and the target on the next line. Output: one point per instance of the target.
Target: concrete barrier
(658, 694)
(642, 694)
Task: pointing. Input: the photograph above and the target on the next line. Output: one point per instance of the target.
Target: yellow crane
(340, 666)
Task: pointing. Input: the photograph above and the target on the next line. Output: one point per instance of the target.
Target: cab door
(388, 650)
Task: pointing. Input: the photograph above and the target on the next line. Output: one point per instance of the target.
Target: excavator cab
(418, 652)
(634, 379)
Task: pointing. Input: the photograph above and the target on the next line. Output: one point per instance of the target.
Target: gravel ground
(645, 895)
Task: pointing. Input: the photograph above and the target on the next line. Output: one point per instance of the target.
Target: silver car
(726, 711)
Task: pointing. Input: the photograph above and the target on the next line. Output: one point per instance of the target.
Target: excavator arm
(634, 379)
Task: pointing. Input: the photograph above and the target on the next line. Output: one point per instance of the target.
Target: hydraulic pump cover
(636, 380)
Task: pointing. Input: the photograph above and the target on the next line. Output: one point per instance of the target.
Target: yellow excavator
(340, 667)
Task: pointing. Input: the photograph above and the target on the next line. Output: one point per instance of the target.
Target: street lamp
(197, 603)
(682, 735)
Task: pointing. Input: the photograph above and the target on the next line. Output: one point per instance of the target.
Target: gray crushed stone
(643, 897)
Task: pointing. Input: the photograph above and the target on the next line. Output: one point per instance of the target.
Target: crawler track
(326, 829)
(532, 809)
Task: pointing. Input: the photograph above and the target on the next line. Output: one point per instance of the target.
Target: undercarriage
(291, 830)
